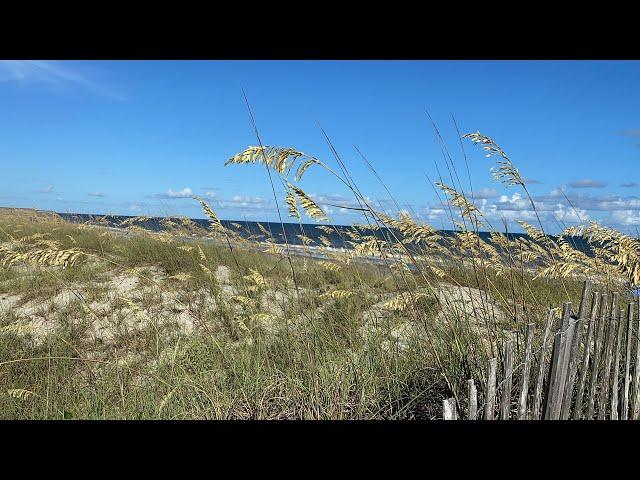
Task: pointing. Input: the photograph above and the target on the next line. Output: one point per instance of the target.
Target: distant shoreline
(292, 230)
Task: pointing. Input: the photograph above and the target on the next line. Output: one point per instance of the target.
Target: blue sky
(137, 137)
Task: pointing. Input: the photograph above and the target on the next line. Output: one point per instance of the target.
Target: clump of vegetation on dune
(212, 323)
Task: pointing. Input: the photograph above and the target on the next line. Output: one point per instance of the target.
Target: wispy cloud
(531, 181)
(485, 193)
(26, 72)
(96, 194)
(630, 132)
(587, 183)
(48, 189)
(629, 185)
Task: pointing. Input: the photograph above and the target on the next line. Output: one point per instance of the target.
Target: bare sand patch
(223, 274)
(8, 301)
(123, 284)
(472, 303)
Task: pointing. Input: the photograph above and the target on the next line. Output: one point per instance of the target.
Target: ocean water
(292, 231)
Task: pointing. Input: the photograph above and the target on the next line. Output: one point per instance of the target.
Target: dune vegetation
(206, 323)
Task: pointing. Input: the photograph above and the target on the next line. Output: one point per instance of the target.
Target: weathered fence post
(537, 394)
(574, 353)
(472, 394)
(505, 407)
(449, 411)
(627, 364)
(599, 345)
(558, 367)
(566, 356)
(611, 334)
(553, 371)
(524, 378)
(616, 369)
(490, 401)
(585, 357)
(635, 413)
(554, 394)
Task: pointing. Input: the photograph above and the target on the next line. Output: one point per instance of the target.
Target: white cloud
(246, 202)
(184, 193)
(96, 194)
(590, 202)
(435, 213)
(626, 217)
(570, 215)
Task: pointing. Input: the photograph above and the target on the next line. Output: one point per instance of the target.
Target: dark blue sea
(338, 237)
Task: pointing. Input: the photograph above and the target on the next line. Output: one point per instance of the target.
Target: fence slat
(537, 394)
(490, 401)
(599, 346)
(566, 356)
(553, 371)
(505, 406)
(608, 360)
(627, 364)
(574, 356)
(526, 369)
(583, 308)
(556, 399)
(449, 409)
(577, 412)
(558, 367)
(615, 372)
(636, 375)
(472, 394)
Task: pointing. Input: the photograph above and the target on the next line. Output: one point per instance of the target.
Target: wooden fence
(582, 369)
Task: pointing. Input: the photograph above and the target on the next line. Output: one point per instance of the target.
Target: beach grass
(194, 323)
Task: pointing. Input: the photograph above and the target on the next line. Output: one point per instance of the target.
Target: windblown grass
(207, 323)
